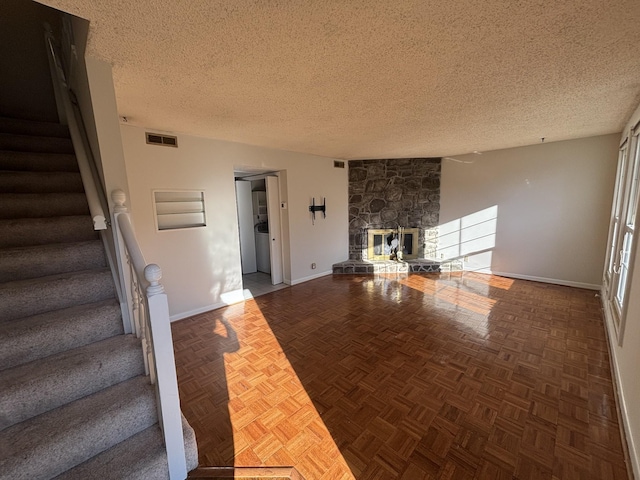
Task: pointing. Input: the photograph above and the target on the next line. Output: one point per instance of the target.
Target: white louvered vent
(164, 140)
(179, 209)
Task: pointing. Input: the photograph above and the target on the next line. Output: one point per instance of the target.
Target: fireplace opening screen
(383, 242)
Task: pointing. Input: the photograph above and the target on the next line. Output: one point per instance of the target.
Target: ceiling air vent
(164, 140)
(337, 164)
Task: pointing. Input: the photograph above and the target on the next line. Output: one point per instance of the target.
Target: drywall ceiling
(371, 78)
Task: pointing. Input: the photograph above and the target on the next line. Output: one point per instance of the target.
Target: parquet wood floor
(437, 376)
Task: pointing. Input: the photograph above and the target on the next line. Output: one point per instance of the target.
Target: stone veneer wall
(389, 193)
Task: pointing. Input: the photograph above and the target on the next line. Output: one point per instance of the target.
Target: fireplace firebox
(382, 242)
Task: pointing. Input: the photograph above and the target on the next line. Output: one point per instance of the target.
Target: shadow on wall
(469, 241)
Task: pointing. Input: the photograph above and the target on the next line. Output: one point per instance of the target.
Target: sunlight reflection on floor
(274, 421)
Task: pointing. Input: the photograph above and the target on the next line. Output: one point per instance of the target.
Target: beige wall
(539, 212)
(93, 85)
(626, 356)
(202, 265)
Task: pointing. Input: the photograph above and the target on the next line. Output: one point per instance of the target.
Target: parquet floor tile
(437, 376)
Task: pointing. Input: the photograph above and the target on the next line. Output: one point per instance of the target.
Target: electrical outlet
(313, 265)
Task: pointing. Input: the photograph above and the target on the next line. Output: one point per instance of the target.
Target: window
(622, 236)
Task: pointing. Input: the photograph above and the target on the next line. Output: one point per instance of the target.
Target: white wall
(93, 85)
(539, 212)
(626, 357)
(201, 266)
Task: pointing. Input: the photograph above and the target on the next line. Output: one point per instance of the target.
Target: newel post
(124, 269)
(169, 409)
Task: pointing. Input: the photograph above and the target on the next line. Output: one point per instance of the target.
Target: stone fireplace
(392, 193)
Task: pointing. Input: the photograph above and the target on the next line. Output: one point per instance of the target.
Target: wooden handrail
(62, 89)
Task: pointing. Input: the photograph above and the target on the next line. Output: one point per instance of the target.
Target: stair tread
(18, 125)
(51, 443)
(37, 161)
(29, 338)
(12, 181)
(35, 143)
(67, 376)
(140, 456)
(36, 282)
(42, 205)
(24, 298)
(45, 230)
(21, 263)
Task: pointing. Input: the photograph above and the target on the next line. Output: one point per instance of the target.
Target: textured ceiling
(371, 78)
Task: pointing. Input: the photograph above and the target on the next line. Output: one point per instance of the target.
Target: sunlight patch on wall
(470, 238)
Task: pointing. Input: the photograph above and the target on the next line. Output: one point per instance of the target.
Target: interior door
(245, 226)
(275, 238)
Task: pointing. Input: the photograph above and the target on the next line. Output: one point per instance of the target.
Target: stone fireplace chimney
(392, 193)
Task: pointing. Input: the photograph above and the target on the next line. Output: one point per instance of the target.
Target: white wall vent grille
(164, 140)
(179, 209)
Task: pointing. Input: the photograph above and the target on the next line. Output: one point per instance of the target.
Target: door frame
(275, 229)
(246, 172)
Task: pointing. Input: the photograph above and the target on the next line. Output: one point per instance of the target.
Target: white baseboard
(228, 298)
(611, 337)
(311, 277)
(555, 281)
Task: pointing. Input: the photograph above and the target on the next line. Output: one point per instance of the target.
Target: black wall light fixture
(313, 208)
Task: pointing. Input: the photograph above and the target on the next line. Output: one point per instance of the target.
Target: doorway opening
(260, 231)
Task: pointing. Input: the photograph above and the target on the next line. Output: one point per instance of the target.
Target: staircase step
(31, 143)
(141, 456)
(23, 263)
(38, 162)
(43, 385)
(40, 231)
(38, 205)
(25, 298)
(28, 339)
(190, 445)
(56, 441)
(28, 127)
(40, 182)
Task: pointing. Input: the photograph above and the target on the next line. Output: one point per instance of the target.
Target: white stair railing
(149, 314)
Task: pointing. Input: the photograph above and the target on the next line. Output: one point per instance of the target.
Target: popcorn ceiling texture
(374, 78)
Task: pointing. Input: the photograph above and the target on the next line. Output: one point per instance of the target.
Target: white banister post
(124, 269)
(167, 383)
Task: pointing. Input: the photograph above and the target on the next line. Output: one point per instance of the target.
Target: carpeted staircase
(74, 399)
